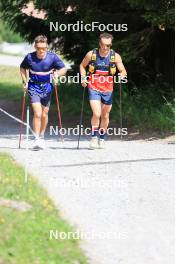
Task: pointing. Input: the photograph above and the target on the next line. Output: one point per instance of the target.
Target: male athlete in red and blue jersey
(102, 64)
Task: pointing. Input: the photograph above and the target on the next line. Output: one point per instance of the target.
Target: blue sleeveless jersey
(40, 70)
(95, 81)
(102, 64)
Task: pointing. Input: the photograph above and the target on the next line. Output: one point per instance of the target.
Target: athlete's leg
(44, 119)
(105, 116)
(96, 113)
(45, 101)
(106, 107)
(104, 124)
(95, 121)
(37, 110)
(95, 104)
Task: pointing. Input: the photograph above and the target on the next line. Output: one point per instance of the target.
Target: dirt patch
(19, 206)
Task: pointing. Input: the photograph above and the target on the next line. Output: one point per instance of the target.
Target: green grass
(144, 108)
(10, 83)
(24, 236)
(151, 108)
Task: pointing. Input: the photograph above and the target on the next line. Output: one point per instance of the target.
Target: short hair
(106, 35)
(40, 38)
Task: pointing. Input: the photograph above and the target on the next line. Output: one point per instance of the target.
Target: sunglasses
(106, 45)
(41, 48)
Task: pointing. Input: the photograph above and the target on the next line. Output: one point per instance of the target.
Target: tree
(155, 46)
(70, 43)
(151, 26)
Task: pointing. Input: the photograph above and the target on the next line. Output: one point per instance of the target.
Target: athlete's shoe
(101, 143)
(39, 144)
(93, 143)
(36, 144)
(42, 142)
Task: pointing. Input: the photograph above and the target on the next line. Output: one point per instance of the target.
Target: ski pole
(121, 117)
(22, 118)
(81, 116)
(27, 144)
(58, 110)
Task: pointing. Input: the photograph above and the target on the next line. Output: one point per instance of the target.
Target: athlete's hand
(122, 78)
(24, 86)
(55, 77)
(84, 84)
(83, 81)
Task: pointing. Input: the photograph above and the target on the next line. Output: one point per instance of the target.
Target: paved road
(123, 194)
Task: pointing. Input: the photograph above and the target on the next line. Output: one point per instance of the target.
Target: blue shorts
(104, 97)
(42, 98)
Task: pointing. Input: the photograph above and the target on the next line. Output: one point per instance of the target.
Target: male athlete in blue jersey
(37, 70)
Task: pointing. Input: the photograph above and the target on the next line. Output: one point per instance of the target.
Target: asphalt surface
(121, 198)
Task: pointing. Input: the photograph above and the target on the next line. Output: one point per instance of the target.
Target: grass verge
(24, 236)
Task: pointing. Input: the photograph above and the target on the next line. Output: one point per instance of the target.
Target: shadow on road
(110, 162)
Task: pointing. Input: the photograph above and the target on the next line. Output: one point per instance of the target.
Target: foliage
(8, 35)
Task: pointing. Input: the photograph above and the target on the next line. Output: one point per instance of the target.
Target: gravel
(121, 198)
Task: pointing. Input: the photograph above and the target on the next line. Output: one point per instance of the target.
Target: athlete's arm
(59, 68)
(60, 72)
(120, 66)
(24, 77)
(24, 71)
(83, 66)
